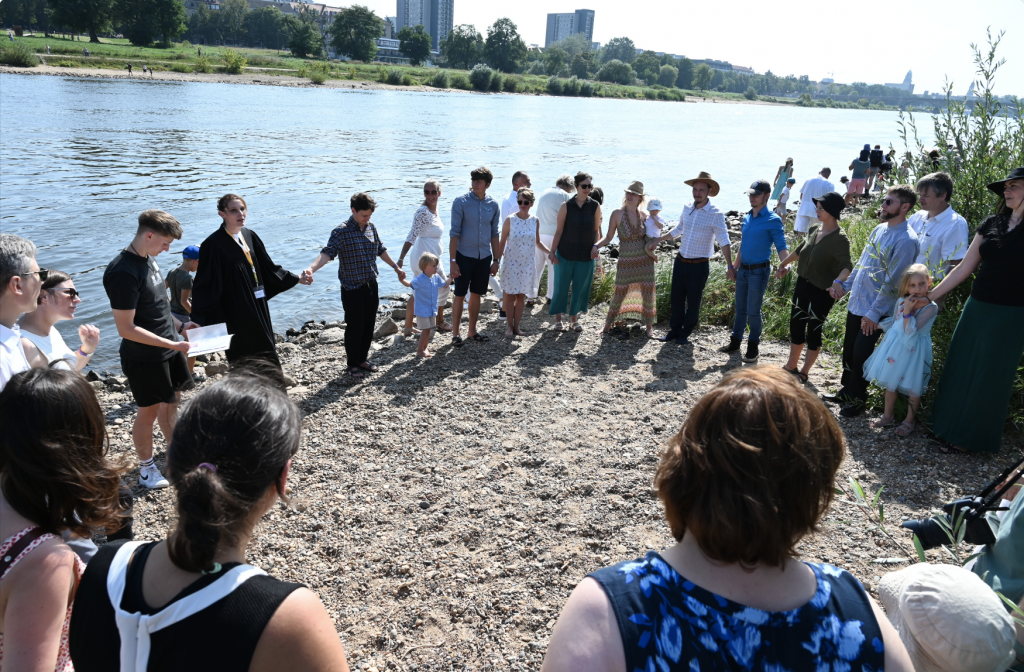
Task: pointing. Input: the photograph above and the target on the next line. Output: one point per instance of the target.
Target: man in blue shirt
(761, 229)
(892, 247)
(476, 221)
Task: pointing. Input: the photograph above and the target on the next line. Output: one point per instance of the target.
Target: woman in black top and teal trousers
(573, 252)
(977, 377)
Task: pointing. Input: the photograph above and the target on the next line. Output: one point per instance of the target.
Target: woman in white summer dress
(425, 236)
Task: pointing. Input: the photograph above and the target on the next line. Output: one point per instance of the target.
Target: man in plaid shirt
(357, 246)
(700, 225)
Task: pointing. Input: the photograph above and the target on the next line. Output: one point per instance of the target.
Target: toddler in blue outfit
(425, 287)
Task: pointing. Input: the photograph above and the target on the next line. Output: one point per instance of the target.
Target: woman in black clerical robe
(234, 282)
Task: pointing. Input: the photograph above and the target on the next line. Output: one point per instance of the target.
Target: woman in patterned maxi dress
(634, 297)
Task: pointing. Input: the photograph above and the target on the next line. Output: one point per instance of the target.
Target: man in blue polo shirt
(761, 228)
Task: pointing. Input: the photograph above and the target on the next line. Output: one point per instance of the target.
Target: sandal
(948, 448)
(883, 422)
(372, 368)
(444, 326)
(576, 327)
(457, 341)
(480, 338)
(559, 326)
(531, 302)
(906, 429)
(356, 372)
(411, 331)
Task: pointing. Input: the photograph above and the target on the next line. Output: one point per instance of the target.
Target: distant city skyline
(801, 39)
(561, 25)
(436, 17)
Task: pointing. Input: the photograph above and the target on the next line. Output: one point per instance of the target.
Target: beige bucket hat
(949, 619)
(636, 187)
(705, 177)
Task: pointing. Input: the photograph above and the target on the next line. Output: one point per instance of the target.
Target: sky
(868, 42)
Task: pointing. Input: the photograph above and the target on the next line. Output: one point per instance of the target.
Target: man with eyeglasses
(20, 282)
(892, 247)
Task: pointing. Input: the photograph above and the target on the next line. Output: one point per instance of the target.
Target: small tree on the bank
(583, 65)
(685, 78)
(702, 76)
(647, 67)
(463, 46)
(750, 93)
(504, 49)
(305, 41)
(354, 31)
(83, 16)
(574, 45)
(414, 43)
(668, 75)
(555, 59)
(143, 21)
(619, 48)
(617, 72)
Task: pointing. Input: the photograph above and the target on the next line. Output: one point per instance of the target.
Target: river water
(80, 158)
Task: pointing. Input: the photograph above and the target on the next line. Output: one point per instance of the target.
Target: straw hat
(636, 187)
(949, 619)
(706, 178)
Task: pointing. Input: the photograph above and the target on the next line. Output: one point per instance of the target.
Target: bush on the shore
(587, 88)
(395, 77)
(182, 67)
(497, 81)
(513, 84)
(571, 87)
(461, 81)
(234, 63)
(67, 63)
(319, 72)
(750, 93)
(480, 76)
(202, 64)
(440, 80)
(554, 86)
(18, 54)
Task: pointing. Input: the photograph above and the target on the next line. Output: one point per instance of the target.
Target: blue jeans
(750, 287)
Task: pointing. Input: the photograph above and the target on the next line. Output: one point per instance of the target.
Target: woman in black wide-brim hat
(977, 378)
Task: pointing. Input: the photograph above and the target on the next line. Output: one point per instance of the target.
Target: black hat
(760, 187)
(832, 203)
(997, 187)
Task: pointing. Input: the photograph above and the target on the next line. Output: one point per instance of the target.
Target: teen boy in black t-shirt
(151, 356)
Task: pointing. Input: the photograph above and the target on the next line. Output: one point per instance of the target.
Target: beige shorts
(426, 322)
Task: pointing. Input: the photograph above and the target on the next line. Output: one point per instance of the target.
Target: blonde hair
(640, 206)
(432, 183)
(525, 192)
(428, 259)
(910, 272)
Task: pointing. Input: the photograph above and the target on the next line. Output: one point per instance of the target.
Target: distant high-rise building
(436, 16)
(561, 26)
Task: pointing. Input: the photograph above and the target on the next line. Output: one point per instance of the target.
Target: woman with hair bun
(54, 477)
(141, 604)
(749, 475)
(235, 282)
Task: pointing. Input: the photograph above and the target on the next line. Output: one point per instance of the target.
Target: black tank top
(220, 638)
(578, 231)
(998, 278)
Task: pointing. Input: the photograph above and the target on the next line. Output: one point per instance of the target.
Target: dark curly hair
(54, 468)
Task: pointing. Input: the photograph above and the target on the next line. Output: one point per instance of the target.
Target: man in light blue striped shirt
(892, 247)
(476, 222)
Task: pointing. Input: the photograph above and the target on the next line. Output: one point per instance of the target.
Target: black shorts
(157, 382)
(473, 274)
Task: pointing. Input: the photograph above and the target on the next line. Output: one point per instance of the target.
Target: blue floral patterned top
(668, 623)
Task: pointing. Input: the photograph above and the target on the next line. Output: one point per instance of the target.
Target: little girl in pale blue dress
(902, 362)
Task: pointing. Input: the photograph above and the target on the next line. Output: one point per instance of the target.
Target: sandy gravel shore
(444, 509)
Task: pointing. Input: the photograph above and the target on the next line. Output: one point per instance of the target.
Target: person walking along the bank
(941, 232)
(872, 285)
(473, 252)
(425, 236)
(761, 229)
(573, 251)
(978, 376)
(634, 269)
(152, 357)
(781, 178)
(700, 225)
(509, 207)
(234, 284)
(357, 246)
(813, 188)
(824, 260)
(548, 205)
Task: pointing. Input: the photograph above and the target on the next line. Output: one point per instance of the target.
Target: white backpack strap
(135, 628)
(127, 623)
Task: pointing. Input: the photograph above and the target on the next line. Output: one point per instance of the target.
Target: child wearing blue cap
(179, 282)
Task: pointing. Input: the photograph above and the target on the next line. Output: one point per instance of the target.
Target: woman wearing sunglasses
(58, 299)
(573, 252)
(425, 236)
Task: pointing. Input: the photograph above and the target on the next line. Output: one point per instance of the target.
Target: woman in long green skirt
(985, 352)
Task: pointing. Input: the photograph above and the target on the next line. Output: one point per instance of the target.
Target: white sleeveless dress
(518, 258)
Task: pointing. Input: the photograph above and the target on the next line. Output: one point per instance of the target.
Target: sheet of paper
(205, 340)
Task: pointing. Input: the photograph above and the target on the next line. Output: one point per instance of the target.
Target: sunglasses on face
(585, 186)
(525, 202)
(43, 273)
(431, 192)
(71, 292)
(889, 201)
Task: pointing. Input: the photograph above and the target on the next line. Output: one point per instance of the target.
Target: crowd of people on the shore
(737, 514)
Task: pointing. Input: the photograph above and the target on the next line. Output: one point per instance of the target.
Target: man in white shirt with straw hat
(700, 226)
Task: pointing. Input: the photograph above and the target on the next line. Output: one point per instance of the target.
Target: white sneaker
(152, 478)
